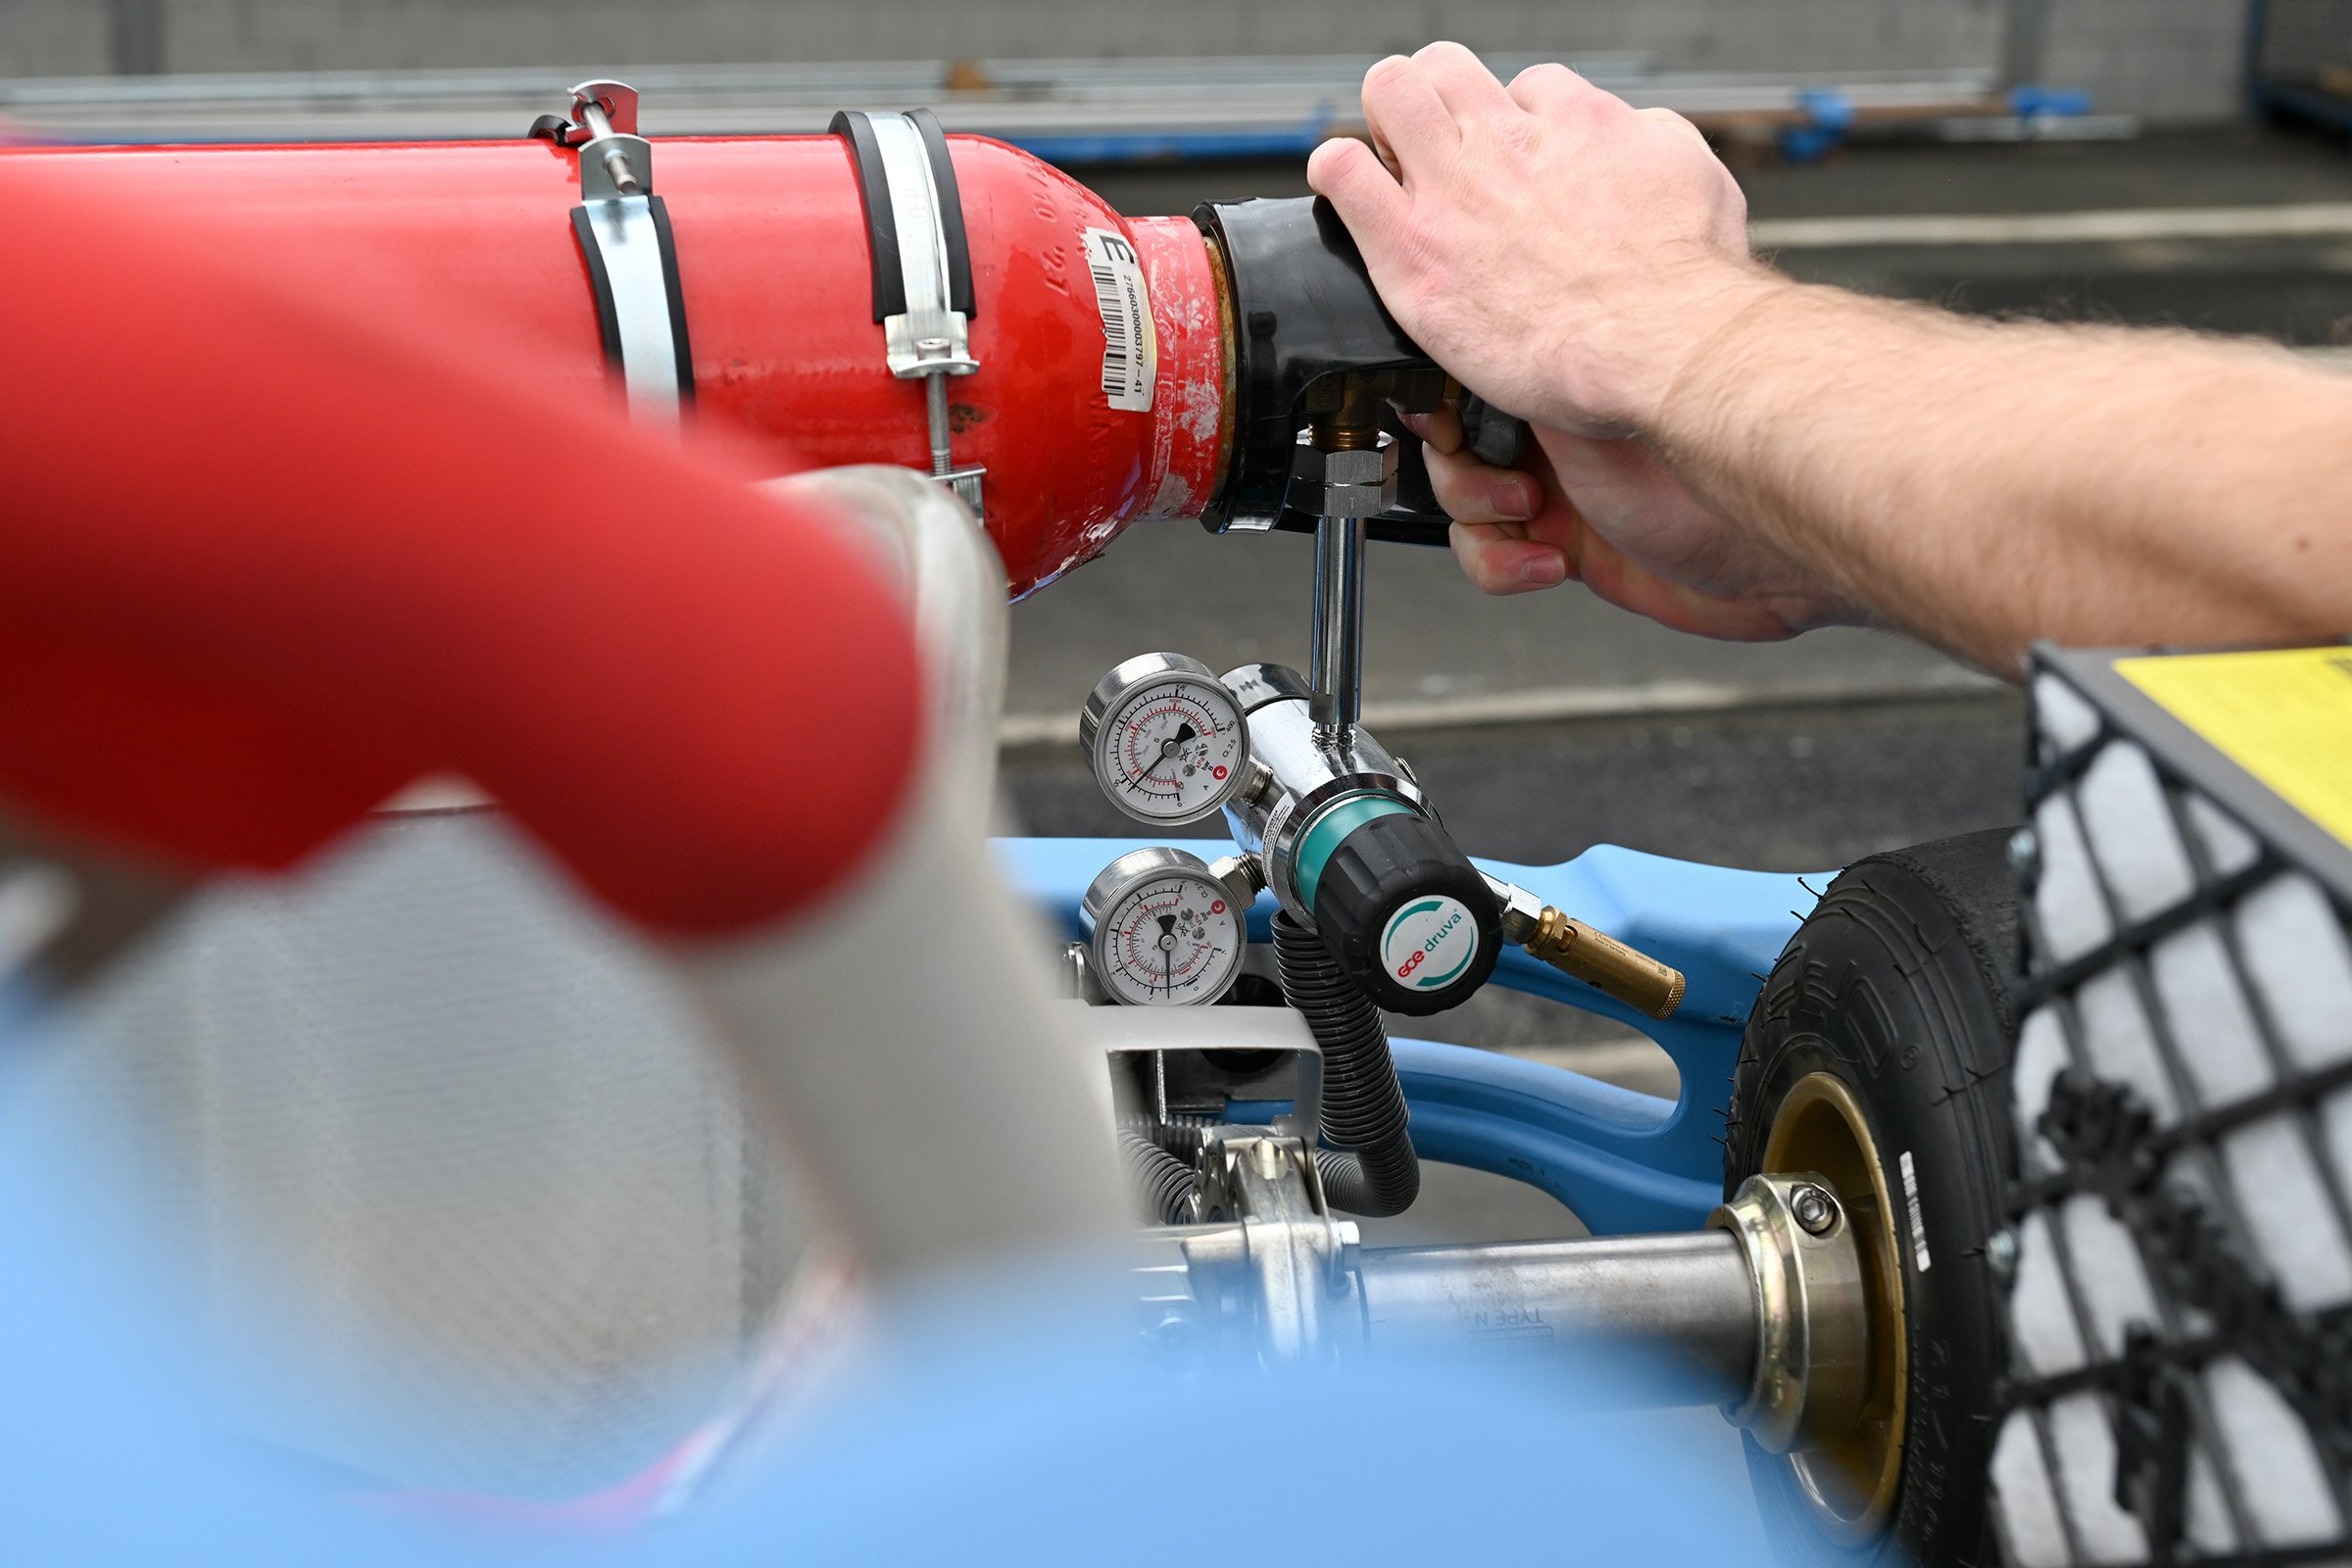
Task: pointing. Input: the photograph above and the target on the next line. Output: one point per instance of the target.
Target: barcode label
(1919, 1221)
(1130, 347)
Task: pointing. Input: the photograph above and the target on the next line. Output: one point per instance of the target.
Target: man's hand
(1610, 514)
(1562, 254)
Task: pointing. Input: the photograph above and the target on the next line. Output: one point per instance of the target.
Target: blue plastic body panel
(1623, 1161)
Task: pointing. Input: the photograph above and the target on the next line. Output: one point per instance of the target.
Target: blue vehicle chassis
(1625, 1162)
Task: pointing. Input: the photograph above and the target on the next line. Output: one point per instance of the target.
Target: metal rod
(1336, 700)
(1684, 1299)
(624, 178)
(935, 395)
(616, 159)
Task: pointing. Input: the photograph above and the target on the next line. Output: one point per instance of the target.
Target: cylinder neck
(1193, 399)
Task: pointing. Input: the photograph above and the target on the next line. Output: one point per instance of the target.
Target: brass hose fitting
(1633, 977)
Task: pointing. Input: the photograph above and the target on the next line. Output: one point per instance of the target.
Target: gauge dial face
(1169, 939)
(1171, 744)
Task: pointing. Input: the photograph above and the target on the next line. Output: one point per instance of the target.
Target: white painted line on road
(1554, 704)
(2306, 220)
(442, 793)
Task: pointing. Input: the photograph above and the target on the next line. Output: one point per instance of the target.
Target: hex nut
(1813, 1210)
(1364, 465)
(1343, 484)
(1521, 912)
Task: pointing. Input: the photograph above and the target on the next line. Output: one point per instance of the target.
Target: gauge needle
(1185, 735)
(1167, 953)
(1174, 744)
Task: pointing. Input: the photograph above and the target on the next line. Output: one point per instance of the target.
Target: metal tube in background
(932, 1160)
(1339, 626)
(1685, 1299)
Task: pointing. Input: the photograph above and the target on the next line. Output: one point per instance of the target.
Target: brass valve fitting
(1634, 978)
(1596, 958)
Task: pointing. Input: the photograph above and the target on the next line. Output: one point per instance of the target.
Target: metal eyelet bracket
(922, 266)
(625, 235)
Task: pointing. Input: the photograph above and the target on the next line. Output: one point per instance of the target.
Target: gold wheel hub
(1849, 1477)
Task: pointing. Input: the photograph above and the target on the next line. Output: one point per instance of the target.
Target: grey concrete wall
(53, 38)
(2169, 59)
(2166, 58)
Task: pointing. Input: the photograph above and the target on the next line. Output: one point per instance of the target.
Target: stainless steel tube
(1339, 625)
(1684, 1299)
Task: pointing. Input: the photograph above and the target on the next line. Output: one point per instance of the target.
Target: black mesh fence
(2181, 1379)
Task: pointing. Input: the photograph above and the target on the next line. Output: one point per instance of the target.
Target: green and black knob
(1402, 909)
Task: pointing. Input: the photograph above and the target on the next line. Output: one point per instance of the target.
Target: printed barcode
(1130, 356)
(1117, 350)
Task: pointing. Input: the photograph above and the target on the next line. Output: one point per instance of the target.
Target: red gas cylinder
(771, 242)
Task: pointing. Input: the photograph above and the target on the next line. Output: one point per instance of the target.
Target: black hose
(1372, 1171)
(1161, 1183)
(1182, 1135)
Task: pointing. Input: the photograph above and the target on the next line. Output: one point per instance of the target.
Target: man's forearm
(1985, 484)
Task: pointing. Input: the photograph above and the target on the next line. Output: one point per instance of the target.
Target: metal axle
(1686, 1300)
(1765, 1312)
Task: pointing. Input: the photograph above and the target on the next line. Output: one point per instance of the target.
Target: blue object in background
(1828, 116)
(2048, 103)
(107, 1455)
(1038, 1441)
(1108, 149)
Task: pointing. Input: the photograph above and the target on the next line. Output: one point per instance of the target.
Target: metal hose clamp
(632, 258)
(922, 266)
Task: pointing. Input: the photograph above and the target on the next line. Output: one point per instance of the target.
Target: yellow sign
(2283, 716)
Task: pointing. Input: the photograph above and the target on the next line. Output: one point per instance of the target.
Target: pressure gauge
(1164, 930)
(1166, 740)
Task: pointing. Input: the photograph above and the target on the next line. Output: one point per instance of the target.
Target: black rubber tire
(1900, 984)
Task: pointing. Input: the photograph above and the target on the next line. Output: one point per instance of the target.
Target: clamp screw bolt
(1814, 1209)
(1173, 1331)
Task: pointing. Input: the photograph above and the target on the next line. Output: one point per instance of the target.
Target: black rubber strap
(881, 222)
(676, 291)
(600, 283)
(873, 193)
(950, 212)
(608, 314)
